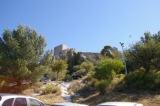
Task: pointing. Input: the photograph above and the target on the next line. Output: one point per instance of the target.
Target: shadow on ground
(147, 99)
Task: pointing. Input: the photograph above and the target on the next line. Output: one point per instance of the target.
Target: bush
(75, 86)
(67, 78)
(51, 89)
(134, 79)
(102, 85)
(142, 80)
(118, 80)
(86, 90)
(89, 80)
(81, 72)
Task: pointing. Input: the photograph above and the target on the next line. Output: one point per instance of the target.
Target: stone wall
(59, 50)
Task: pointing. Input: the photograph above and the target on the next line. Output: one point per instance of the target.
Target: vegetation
(22, 57)
(102, 85)
(77, 59)
(110, 52)
(21, 54)
(88, 66)
(59, 66)
(51, 89)
(84, 68)
(108, 68)
(107, 52)
(140, 80)
(145, 53)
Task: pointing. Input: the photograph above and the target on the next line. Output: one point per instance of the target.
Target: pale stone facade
(60, 50)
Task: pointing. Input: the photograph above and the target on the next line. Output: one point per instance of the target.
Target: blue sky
(86, 25)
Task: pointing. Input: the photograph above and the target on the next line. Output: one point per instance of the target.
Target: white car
(68, 104)
(18, 100)
(120, 104)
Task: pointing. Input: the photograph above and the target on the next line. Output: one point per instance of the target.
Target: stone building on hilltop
(60, 52)
(64, 52)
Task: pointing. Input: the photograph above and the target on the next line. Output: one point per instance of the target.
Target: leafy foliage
(107, 69)
(50, 89)
(77, 59)
(106, 51)
(76, 68)
(47, 58)
(102, 85)
(59, 66)
(87, 66)
(148, 37)
(145, 53)
(116, 82)
(20, 53)
(111, 52)
(140, 80)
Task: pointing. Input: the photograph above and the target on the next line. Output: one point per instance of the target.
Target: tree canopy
(145, 53)
(59, 66)
(87, 66)
(20, 53)
(108, 68)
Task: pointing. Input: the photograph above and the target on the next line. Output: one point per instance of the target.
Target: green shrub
(75, 86)
(51, 89)
(86, 89)
(68, 77)
(118, 80)
(81, 72)
(102, 85)
(152, 80)
(143, 80)
(89, 80)
(134, 79)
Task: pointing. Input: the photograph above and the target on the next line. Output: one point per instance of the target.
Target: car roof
(15, 95)
(68, 104)
(120, 104)
(9, 94)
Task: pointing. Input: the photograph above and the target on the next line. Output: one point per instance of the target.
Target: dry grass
(51, 98)
(93, 98)
(147, 98)
(47, 99)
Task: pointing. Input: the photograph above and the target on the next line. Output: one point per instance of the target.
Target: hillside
(147, 99)
(90, 96)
